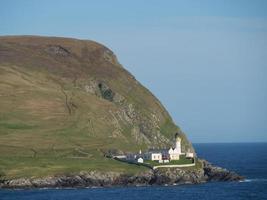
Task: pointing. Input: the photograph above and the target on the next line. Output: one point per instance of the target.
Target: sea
(247, 159)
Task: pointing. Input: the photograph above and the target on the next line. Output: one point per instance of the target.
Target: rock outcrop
(163, 176)
(214, 173)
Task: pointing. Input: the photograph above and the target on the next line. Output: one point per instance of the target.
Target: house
(153, 155)
(189, 155)
(140, 160)
(156, 156)
(174, 154)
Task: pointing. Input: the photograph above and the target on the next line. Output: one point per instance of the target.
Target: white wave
(254, 180)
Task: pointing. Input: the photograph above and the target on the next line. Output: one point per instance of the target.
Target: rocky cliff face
(171, 176)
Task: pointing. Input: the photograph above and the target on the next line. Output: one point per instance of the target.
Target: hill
(65, 102)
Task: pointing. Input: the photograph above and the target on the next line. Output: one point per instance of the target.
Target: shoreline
(157, 177)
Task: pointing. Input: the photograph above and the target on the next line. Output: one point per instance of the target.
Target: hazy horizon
(205, 61)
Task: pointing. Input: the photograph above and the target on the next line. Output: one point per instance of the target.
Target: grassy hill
(64, 102)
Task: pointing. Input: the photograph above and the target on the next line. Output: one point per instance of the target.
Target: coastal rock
(17, 183)
(178, 176)
(163, 176)
(214, 173)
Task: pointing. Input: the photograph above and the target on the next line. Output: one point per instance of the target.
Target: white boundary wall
(185, 165)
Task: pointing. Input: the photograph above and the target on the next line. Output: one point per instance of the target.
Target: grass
(168, 127)
(18, 126)
(19, 167)
(22, 162)
(181, 161)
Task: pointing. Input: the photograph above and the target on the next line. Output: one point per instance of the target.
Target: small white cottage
(140, 160)
(156, 156)
(153, 155)
(189, 155)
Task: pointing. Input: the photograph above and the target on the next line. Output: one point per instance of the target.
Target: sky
(206, 61)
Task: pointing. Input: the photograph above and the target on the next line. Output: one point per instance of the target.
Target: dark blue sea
(249, 160)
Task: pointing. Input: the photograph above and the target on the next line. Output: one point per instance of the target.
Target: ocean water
(249, 160)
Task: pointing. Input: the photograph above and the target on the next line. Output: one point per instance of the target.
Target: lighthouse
(178, 141)
(175, 152)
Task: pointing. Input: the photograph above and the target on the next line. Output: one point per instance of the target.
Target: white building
(140, 160)
(153, 155)
(156, 156)
(175, 152)
(178, 145)
(189, 155)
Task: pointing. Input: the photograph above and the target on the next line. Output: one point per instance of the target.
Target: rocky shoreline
(92, 179)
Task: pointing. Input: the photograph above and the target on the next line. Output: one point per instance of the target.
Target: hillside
(65, 102)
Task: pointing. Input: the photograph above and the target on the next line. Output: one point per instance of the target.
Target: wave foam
(254, 180)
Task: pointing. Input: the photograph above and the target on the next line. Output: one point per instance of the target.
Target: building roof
(139, 156)
(157, 151)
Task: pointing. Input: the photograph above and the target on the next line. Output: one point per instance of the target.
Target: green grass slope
(64, 102)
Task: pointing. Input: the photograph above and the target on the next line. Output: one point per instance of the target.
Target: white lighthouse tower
(178, 147)
(174, 153)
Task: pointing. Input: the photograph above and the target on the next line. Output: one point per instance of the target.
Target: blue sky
(205, 60)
